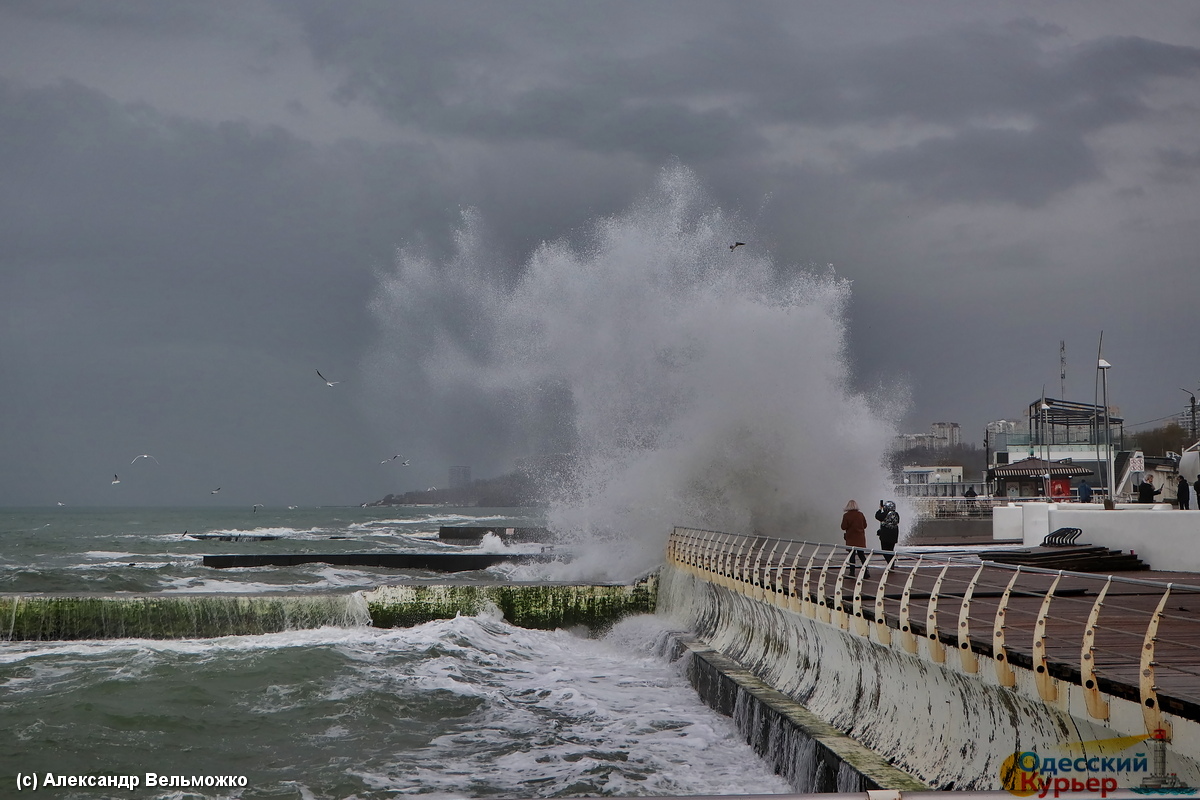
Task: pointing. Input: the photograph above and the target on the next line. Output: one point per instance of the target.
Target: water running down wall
(949, 729)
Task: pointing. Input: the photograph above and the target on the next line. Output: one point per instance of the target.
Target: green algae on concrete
(540, 606)
(70, 617)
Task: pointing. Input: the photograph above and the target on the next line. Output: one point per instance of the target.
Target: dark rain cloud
(940, 156)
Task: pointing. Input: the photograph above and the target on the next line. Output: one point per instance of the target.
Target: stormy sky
(204, 203)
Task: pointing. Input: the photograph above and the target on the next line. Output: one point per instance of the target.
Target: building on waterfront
(919, 476)
(1084, 435)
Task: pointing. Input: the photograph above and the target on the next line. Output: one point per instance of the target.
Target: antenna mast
(1062, 369)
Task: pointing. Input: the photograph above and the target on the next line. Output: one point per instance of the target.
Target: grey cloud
(149, 16)
(1022, 167)
(1176, 165)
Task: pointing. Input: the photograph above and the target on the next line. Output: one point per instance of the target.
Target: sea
(459, 708)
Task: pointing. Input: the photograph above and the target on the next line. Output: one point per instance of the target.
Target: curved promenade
(1112, 663)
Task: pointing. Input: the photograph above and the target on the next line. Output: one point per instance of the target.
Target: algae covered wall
(949, 729)
(36, 617)
(40, 617)
(544, 607)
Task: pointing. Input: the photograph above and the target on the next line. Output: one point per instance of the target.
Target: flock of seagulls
(116, 479)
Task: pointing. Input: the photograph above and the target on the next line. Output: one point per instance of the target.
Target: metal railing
(1112, 636)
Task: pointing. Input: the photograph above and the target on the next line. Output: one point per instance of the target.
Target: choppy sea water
(469, 707)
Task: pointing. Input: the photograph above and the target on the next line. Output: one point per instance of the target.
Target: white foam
(695, 386)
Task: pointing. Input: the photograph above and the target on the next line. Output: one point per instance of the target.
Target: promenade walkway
(1134, 635)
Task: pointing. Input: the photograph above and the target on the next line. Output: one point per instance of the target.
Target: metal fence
(1112, 636)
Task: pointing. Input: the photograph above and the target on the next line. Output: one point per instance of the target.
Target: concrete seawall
(946, 728)
(809, 753)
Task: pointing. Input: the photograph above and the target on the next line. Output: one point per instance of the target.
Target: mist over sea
(469, 707)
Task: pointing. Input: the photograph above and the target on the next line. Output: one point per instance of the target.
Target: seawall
(947, 718)
(807, 752)
(180, 616)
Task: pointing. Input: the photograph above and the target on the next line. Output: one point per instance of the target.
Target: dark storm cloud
(1176, 165)
(176, 19)
(128, 182)
(198, 198)
(1025, 168)
(1019, 100)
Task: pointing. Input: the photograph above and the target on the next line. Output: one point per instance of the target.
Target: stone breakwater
(181, 616)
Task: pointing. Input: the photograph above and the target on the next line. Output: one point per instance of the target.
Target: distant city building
(946, 434)
(1001, 426)
(460, 477)
(941, 436)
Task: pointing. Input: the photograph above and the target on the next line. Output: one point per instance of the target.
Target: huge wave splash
(683, 382)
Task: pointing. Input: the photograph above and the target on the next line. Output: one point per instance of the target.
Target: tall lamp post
(1104, 367)
(1193, 429)
(1045, 446)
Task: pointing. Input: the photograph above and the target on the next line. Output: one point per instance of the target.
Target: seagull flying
(257, 506)
(214, 491)
(327, 381)
(403, 463)
(145, 455)
(736, 245)
(115, 480)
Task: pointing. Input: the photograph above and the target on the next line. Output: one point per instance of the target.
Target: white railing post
(1097, 706)
(1151, 710)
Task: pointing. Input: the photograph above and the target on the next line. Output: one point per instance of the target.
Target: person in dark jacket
(889, 527)
(1182, 490)
(1146, 491)
(1085, 492)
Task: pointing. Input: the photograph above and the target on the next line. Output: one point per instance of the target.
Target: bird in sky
(257, 506)
(327, 381)
(62, 504)
(214, 491)
(115, 480)
(144, 455)
(403, 463)
(736, 245)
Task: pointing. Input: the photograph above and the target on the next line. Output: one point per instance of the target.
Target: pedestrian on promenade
(1085, 492)
(972, 504)
(1146, 491)
(889, 527)
(854, 525)
(1182, 490)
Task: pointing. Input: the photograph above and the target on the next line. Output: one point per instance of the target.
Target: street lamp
(1045, 445)
(1104, 367)
(1193, 429)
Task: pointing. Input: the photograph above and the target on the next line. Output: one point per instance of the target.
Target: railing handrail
(967, 559)
(823, 598)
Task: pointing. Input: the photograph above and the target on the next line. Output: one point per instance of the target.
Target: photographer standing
(889, 527)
